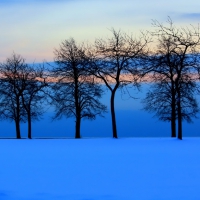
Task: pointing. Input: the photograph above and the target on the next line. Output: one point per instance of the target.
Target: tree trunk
(17, 125)
(173, 118)
(179, 118)
(77, 106)
(29, 126)
(78, 127)
(17, 119)
(112, 106)
(173, 128)
(173, 107)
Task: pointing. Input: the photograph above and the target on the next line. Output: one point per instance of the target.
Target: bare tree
(75, 93)
(20, 92)
(160, 100)
(33, 96)
(117, 64)
(11, 89)
(175, 67)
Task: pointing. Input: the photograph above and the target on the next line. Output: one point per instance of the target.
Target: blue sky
(33, 28)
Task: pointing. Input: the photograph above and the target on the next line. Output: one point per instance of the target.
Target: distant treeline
(168, 57)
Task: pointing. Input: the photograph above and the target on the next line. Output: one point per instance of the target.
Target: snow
(100, 169)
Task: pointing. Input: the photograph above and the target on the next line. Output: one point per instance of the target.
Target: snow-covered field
(100, 169)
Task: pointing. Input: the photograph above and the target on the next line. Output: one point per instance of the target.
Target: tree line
(167, 57)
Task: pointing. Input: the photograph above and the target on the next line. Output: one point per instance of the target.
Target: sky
(34, 28)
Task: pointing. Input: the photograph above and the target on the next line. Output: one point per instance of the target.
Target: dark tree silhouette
(11, 89)
(175, 67)
(75, 93)
(116, 63)
(160, 100)
(21, 92)
(33, 96)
